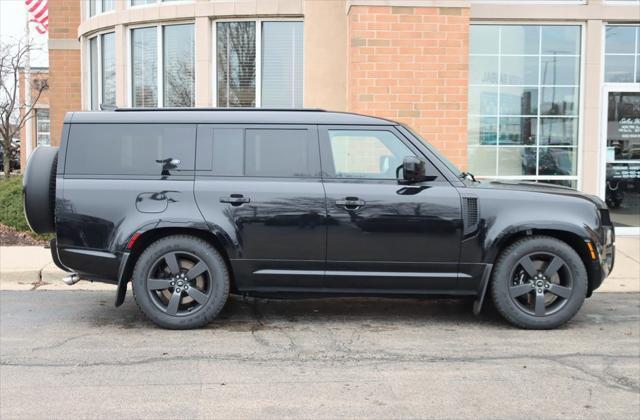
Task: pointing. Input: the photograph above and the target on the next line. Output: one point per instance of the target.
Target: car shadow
(251, 314)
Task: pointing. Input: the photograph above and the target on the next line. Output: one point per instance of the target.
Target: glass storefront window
(94, 73)
(144, 66)
(524, 101)
(622, 192)
(622, 54)
(236, 64)
(278, 82)
(179, 63)
(102, 70)
(108, 62)
(174, 87)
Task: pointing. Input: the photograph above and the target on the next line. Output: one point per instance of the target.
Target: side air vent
(470, 214)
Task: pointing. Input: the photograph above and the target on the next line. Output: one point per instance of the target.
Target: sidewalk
(30, 267)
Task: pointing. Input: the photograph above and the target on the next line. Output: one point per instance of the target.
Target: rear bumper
(89, 264)
(53, 246)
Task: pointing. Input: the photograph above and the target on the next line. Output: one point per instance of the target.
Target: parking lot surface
(72, 354)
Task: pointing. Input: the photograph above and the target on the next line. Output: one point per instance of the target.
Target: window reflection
(523, 99)
(622, 54)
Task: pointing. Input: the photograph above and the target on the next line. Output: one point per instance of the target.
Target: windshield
(452, 167)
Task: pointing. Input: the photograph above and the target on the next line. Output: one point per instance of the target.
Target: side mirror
(413, 170)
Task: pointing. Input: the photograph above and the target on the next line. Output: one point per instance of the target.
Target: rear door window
(130, 149)
(258, 152)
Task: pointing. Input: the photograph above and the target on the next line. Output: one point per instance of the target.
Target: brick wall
(64, 64)
(410, 64)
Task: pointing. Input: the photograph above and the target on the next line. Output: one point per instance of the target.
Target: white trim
(622, 2)
(516, 2)
(581, 104)
(128, 69)
(258, 64)
(258, 49)
(155, 3)
(160, 65)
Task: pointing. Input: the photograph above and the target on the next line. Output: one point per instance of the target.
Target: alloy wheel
(179, 283)
(541, 283)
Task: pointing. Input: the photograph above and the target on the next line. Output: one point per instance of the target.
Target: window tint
(228, 151)
(129, 149)
(366, 153)
(285, 153)
(257, 152)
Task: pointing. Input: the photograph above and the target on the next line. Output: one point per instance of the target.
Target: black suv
(191, 205)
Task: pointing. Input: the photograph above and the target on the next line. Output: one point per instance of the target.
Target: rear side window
(130, 149)
(258, 152)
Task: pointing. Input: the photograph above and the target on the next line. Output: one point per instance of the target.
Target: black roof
(222, 116)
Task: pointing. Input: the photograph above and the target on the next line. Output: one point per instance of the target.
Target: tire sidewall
(501, 281)
(219, 282)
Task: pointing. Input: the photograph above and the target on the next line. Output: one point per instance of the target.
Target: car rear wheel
(539, 282)
(180, 282)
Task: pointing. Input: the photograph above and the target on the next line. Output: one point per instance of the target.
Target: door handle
(351, 203)
(235, 199)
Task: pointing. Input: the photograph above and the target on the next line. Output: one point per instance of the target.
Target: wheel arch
(575, 240)
(150, 236)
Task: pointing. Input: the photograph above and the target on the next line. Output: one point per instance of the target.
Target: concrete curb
(31, 268)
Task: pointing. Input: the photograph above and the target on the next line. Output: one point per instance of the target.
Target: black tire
(530, 292)
(39, 189)
(200, 298)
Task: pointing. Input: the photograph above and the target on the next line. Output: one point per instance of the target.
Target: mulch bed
(11, 237)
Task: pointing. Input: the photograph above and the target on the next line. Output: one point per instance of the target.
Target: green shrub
(11, 213)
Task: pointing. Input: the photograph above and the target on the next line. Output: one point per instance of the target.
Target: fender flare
(230, 247)
(494, 243)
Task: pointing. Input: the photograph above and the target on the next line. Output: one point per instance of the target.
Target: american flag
(39, 12)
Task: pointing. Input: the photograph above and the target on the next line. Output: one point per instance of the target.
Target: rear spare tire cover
(39, 189)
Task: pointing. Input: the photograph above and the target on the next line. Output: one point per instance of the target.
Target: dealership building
(543, 91)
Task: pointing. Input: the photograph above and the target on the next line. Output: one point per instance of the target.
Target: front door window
(623, 158)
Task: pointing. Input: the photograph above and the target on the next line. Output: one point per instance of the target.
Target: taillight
(133, 239)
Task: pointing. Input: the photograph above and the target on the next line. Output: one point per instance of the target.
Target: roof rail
(216, 109)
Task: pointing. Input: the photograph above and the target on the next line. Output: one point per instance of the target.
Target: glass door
(622, 155)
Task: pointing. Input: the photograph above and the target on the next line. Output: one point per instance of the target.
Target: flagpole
(28, 141)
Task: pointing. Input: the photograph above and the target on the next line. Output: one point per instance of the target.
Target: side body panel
(403, 238)
(278, 225)
(96, 214)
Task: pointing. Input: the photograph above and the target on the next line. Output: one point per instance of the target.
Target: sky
(13, 16)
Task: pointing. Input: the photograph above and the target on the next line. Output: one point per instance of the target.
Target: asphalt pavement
(71, 354)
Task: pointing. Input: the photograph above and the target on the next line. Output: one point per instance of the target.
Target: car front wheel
(539, 282)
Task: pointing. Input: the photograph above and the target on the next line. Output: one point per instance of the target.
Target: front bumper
(606, 258)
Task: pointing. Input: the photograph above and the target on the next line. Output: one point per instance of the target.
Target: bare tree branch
(14, 115)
